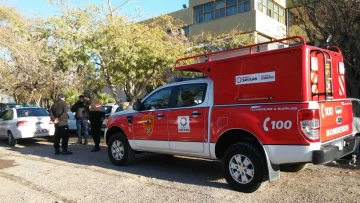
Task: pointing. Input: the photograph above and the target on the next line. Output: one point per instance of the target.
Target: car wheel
(243, 167)
(293, 167)
(11, 140)
(119, 150)
(50, 139)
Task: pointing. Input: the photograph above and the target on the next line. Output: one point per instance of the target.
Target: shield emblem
(148, 124)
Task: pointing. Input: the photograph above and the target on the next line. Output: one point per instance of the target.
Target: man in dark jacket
(58, 114)
(81, 109)
(96, 117)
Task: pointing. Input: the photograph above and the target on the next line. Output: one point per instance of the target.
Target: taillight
(309, 124)
(22, 123)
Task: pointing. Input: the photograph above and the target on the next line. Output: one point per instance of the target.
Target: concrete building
(265, 19)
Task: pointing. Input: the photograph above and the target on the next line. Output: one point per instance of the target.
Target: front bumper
(331, 152)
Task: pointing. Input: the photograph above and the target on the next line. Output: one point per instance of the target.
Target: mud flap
(273, 169)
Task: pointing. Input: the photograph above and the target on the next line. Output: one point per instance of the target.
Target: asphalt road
(30, 172)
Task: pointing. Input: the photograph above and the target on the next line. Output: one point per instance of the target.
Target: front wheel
(293, 167)
(119, 150)
(243, 167)
(11, 140)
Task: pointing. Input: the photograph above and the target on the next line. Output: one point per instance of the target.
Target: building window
(219, 9)
(272, 9)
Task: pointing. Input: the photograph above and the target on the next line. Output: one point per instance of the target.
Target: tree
(341, 19)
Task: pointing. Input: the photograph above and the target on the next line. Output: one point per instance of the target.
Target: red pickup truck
(258, 109)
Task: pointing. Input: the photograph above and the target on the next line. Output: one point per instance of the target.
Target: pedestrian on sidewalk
(81, 109)
(58, 114)
(96, 117)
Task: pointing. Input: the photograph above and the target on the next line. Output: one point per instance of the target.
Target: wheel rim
(117, 150)
(241, 169)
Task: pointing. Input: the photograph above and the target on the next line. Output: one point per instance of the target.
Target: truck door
(188, 118)
(150, 125)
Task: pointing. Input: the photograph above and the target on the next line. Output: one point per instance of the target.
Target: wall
(186, 15)
(269, 26)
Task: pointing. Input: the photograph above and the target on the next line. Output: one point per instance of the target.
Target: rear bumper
(330, 152)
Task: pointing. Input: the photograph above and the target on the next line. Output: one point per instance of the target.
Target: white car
(27, 122)
(109, 110)
(71, 121)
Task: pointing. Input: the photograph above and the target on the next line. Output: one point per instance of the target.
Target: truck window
(356, 108)
(190, 95)
(158, 100)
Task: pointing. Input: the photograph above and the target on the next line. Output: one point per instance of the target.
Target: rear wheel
(119, 150)
(293, 167)
(11, 140)
(243, 167)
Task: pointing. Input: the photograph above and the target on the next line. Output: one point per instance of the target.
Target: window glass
(230, 2)
(220, 13)
(247, 6)
(190, 95)
(209, 16)
(158, 100)
(356, 108)
(8, 115)
(241, 8)
(198, 10)
(220, 4)
(107, 109)
(209, 7)
(118, 109)
(3, 114)
(231, 10)
(27, 112)
(271, 5)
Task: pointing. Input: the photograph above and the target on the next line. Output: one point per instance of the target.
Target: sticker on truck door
(183, 124)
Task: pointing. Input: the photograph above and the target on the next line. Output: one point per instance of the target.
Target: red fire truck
(260, 109)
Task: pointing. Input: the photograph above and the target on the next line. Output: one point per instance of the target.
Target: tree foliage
(341, 19)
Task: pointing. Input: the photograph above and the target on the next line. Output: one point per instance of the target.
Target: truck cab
(258, 109)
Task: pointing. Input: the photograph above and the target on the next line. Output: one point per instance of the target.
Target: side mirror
(137, 106)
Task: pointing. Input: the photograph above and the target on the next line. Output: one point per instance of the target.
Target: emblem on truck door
(148, 124)
(339, 120)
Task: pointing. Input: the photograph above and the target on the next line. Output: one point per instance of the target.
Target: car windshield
(27, 112)
(107, 109)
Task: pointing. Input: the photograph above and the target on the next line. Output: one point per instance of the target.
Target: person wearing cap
(58, 114)
(96, 117)
(81, 109)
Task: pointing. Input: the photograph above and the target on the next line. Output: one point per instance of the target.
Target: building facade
(265, 19)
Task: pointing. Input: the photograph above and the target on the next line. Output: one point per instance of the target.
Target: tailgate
(335, 119)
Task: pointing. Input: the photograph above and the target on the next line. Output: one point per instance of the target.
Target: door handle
(195, 114)
(160, 116)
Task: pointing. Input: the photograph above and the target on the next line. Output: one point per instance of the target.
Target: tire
(50, 139)
(231, 166)
(292, 167)
(11, 140)
(119, 150)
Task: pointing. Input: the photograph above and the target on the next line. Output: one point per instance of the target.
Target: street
(30, 172)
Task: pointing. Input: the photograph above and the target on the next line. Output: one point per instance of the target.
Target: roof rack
(183, 64)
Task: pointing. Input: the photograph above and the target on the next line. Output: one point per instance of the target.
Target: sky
(145, 8)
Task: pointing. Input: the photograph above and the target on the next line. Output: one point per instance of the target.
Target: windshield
(107, 109)
(27, 112)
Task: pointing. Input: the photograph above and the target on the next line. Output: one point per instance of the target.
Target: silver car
(356, 118)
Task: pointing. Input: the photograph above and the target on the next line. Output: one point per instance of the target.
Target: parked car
(28, 122)
(356, 119)
(71, 121)
(109, 110)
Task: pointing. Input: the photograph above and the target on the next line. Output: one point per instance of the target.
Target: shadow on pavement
(164, 167)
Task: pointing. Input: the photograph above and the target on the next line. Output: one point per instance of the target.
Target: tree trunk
(108, 80)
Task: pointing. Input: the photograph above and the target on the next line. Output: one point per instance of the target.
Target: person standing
(96, 117)
(58, 114)
(81, 109)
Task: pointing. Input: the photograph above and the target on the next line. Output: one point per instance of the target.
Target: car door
(7, 117)
(2, 122)
(150, 124)
(187, 120)
(356, 116)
